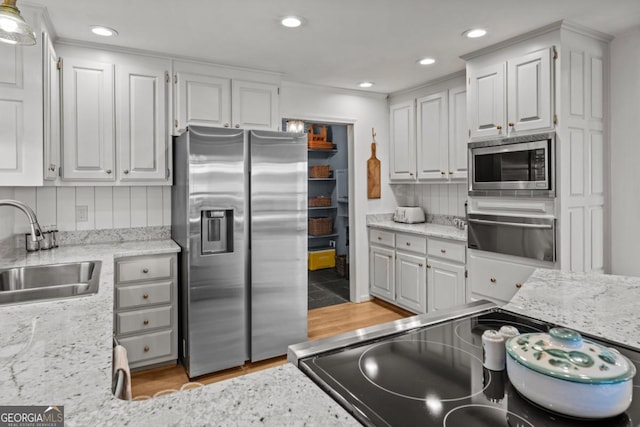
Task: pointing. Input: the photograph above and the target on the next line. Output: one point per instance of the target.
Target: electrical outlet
(82, 213)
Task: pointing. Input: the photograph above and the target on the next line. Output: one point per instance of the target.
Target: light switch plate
(82, 213)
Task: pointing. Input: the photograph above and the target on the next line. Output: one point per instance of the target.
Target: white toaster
(409, 214)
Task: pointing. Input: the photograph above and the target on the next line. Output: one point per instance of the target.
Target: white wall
(107, 207)
(435, 199)
(625, 153)
(366, 111)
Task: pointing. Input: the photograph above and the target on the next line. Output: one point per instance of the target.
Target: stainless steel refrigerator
(239, 213)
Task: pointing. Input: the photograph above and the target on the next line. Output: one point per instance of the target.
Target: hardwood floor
(323, 322)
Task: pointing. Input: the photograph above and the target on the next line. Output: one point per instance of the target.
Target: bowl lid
(564, 354)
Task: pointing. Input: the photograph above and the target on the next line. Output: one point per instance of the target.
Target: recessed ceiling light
(366, 84)
(103, 31)
(475, 33)
(291, 21)
(426, 61)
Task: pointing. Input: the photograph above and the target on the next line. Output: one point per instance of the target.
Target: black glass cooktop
(434, 376)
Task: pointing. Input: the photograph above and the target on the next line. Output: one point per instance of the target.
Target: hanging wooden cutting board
(373, 174)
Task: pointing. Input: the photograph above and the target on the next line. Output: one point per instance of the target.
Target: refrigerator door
(278, 242)
(216, 335)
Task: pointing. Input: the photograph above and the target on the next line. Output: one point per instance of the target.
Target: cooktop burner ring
(476, 405)
(489, 322)
(426, 398)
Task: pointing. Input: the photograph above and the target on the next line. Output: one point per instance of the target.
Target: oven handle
(511, 224)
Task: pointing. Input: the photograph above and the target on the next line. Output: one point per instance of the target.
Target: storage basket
(318, 141)
(320, 226)
(319, 171)
(342, 267)
(319, 202)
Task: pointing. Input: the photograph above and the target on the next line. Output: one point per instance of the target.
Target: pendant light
(13, 28)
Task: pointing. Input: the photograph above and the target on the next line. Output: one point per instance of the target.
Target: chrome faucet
(36, 233)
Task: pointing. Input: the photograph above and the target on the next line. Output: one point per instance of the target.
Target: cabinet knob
(146, 348)
(408, 243)
(518, 285)
(410, 173)
(450, 172)
(126, 172)
(145, 270)
(226, 125)
(442, 173)
(389, 256)
(499, 127)
(145, 296)
(237, 126)
(145, 322)
(108, 171)
(420, 265)
(428, 265)
(444, 251)
(493, 280)
(511, 124)
(379, 238)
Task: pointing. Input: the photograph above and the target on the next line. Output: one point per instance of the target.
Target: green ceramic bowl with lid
(568, 374)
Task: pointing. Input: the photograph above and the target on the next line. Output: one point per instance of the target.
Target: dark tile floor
(327, 288)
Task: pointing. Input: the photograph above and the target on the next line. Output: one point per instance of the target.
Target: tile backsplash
(87, 208)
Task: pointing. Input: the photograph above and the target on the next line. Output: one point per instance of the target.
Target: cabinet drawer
(445, 249)
(379, 237)
(495, 278)
(408, 242)
(143, 295)
(142, 320)
(148, 346)
(144, 269)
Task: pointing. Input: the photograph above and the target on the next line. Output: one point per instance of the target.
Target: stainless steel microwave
(522, 165)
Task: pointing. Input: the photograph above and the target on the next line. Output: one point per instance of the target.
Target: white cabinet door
(495, 278)
(402, 152)
(445, 285)
(142, 114)
(201, 100)
(529, 92)
(382, 272)
(21, 113)
(432, 137)
(254, 105)
(411, 282)
(486, 101)
(88, 105)
(458, 133)
(52, 122)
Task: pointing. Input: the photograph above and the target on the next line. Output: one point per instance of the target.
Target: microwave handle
(511, 224)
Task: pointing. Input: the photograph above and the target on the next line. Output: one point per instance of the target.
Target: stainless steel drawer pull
(145, 270)
(145, 296)
(146, 348)
(511, 224)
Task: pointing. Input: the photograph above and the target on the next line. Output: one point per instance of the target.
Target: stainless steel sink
(47, 282)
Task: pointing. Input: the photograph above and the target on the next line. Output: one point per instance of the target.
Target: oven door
(502, 165)
(529, 237)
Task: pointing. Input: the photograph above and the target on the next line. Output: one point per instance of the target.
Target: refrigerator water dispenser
(217, 231)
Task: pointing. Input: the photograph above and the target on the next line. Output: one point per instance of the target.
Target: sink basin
(49, 282)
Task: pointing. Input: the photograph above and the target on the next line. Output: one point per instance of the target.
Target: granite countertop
(602, 305)
(426, 229)
(59, 353)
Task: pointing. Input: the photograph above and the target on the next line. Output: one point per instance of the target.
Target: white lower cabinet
(411, 281)
(496, 277)
(146, 309)
(445, 278)
(382, 272)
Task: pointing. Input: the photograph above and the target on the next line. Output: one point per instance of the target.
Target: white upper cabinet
(486, 101)
(141, 107)
(254, 105)
(402, 153)
(21, 129)
(88, 120)
(432, 136)
(52, 121)
(512, 97)
(458, 136)
(209, 96)
(201, 100)
(529, 92)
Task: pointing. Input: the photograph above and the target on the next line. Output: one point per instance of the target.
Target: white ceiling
(343, 41)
